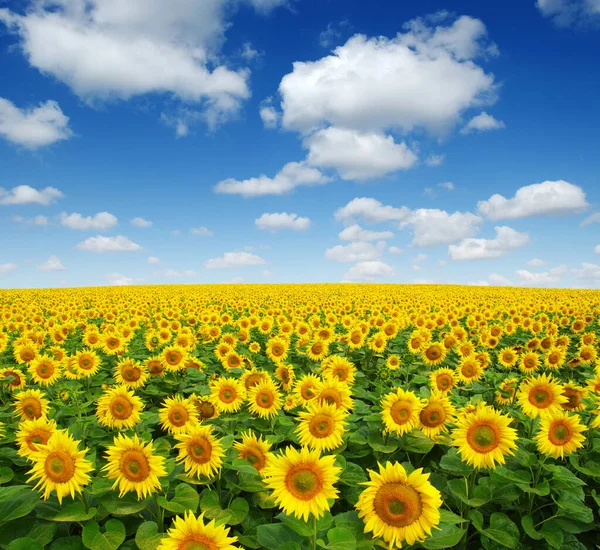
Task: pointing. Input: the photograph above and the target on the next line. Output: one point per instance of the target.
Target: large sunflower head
(191, 533)
(434, 353)
(200, 451)
(398, 507)
(178, 414)
(173, 358)
(227, 394)
(32, 434)
(540, 396)
(400, 411)
(442, 380)
(264, 399)
(529, 362)
(45, 370)
(302, 481)
(560, 434)
(119, 408)
(31, 404)
(321, 427)
(254, 449)
(87, 362)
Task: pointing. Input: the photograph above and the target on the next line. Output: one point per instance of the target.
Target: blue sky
(401, 121)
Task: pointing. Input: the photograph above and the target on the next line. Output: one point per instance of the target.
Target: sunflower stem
(160, 514)
(313, 538)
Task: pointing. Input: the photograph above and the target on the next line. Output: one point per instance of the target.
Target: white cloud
(357, 233)
(140, 222)
(433, 227)
(24, 194)
(101, 221)
(105, 49)
(52, 264)
(355, 252)
(368, 271)
(7, 268)
(536, 262)
(593, 218)
(249, 52)
(268, 114)
(477, 249)
(266, 6)
(435, 160)
(482, 123)
(429, 192)
(371, 210)
(201, 231)
(499, 280)
(545, 278)
(34, 127)
(588, 271)
(282, 220)
(234, 259)
(292, 175)
(36, 220)
(116, 279)
(447, 185)
(176, 274)
(394, 250)
(546, 198)
(358, 155)
(109, 244)
(373, 84)
(565, 13)
(153, 260)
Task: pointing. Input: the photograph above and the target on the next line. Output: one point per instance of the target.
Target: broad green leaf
(25, 544)
(529, 527)
(237, 511)
(273, 536)
(67, 543)
(502, 530)
(110, 539)
(125, 505)
(352, 474)
(303, 528)
(340, 539)
(6, 475)
(552, 533)
(186, 498)
(17, 501)
(452, 464)
(147, 536)
(447, 536)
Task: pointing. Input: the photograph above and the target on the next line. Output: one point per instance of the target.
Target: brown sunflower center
(540, 398)
(178, 415)
(200, 450)
(134, 465)
(264, 399)
(131, 373)
(121, 407)
(255, 457)
(397, 504)
(45, 370)
(202, 544)
(227, 395)
(205, 409)
(483, 438)
(321, 425)
(174, 358)
(433, 353)
(59, 467)
(468, 370)
(433, 415)
(331, 397)
(32, 408)
(37, 437)
(401, 412)
(307, 391)
(303, 482)
(444, 382)
(85, 363)
(559, 433)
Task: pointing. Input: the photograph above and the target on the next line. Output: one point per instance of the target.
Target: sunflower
(586, 354)
(119, 408)
(264, 399)
(252, 377)
(33, 433)
(318, 350)
(442, 380)
(133, 466)
(393, 362)
(205, 408)
(254, 347)
(154, 366)
(593, 384)
(560, 434)
(31, 404)
(400, 411)
(484, 437)
(307, 388)
(574, 395)
(87, 362)
(112, 344)
(60, 466)
(469, 370)
(529, 362)
(24, 352)
(507, 357)
(540, 396)
(398, 507)
(200, 451)
(434, 415)
(433, 354)
(45, 370)
(130, 373)
(505, 393)
(178, 414)
(285, 375)
(335, 393)
(554, 358)
(339, 367)
(302, 481)
(173, 358)
(254, 450)
(191, 533)
(17, 378)
(227, 394)
(277, 349)
(321, 427)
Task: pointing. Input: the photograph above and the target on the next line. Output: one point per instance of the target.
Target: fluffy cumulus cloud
(551, 277)
(24, 194)
(201, 231)
(355, 252)
(109, 244)
(268, 114)
(372, 211)
(566, 13)
(292, 175)
(176, 274)
(52, 264)
(433, 227)
(478, 249)
(153, 260)
(33, 127)
(540, 199)
(7, 268)
(234, 259)
(357, 233)
(117, 279)
(368, 271)
(482, 123)
(35, 220)
(107, 49)
(588, 272)
(536, 262)
(282, 220)
(358, 155)
(101, 221)
(140, 222)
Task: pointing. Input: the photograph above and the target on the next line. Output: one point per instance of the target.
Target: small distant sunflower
(253, 377)
(484, 437)
(31, 404)
(321, 427)
(119, 408)
(540, 396)
(393, 362)
(277, 349)
(18, 378)
(191, 533)
(200, 451)
(317, 350)
(433, 354)
(302, 481)
(397, 507)
(285, 375)
(529, 362)
(469, 370)
(25, 352)
(587, 355)
(334, 392)
(227, 394)
(173, 358)
(130, 373)
(574, 394)
(400, 411)
(178, 414)
(307, 388)
(254, 347)
(154, 366)
(60, 466)
(254, 449)
(113, 344)
(507, 357)
(87, 362)
(32, 434)
(205, 407)
(554, 358)
(436, 412)
(45, 370)
(506, 391)
(340, 368)
(560, 434)
(442, 380)
(264, 399)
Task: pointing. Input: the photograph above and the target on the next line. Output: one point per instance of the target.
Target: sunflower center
(264, 399)
(178, 415)
(307, 392)
(433, 353)
(45, 370)
(433, 416)
(37, 438)
(206, 410)
(559, 434)
(401, 412)
(574, 398)
(85, 363)
(255, 457)
(200, 450)
(227, 395)
(540, 398)
(468, 370)
(131, 374)
(444, 382)
(397, 504)
(321, 426)
(59, 467)
(331, 397)
(341, 373)
(134, 465)
(121, 407)
(112, 343)
(204, 544)
(32, 408)
(483, 438)
(303, 482)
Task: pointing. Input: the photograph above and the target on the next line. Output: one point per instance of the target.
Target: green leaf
(124, 506)
(522, 477)
(340, 539)
(41, 531)
(67, 543)
(552, 533)
(481, 494)
(25, 544)
(529, 527)
(447, 536)
(476, 518)
(542, 489)
(502, 530)
(273, 536)
(17, 501)
(147, 536)
(570, 506)
(350, 521)
(352, 474)
(446, 516)
(110, 539)
(6, 475)
(417, 442)
(240, 465)
(303, 528)
(452, 464)
(238, 510)
(377, 444)
(186, 498)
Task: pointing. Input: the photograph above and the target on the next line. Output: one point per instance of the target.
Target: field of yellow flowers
(293, 417)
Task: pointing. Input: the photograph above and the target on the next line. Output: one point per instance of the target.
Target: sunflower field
(298, 417)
